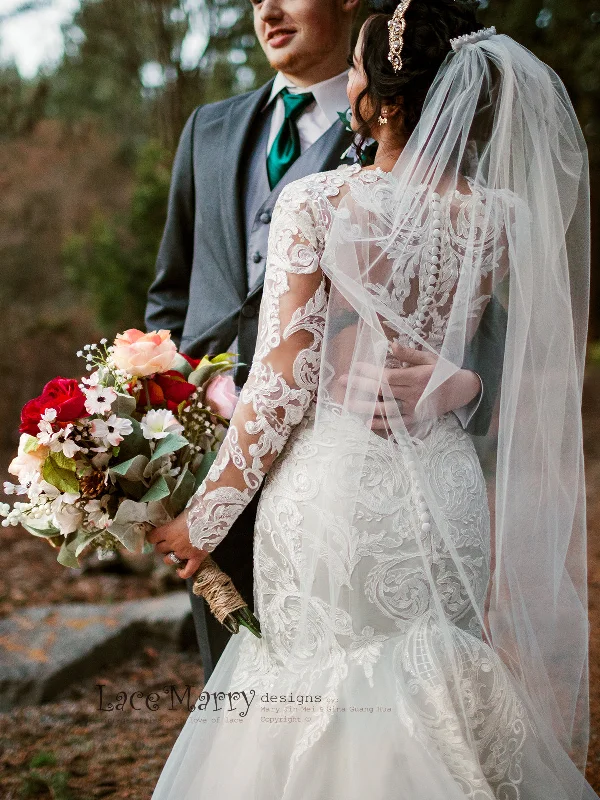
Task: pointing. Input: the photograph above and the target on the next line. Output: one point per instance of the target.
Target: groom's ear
(351, 5)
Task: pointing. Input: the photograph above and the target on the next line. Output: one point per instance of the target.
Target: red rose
(168, 389)
(62, 394)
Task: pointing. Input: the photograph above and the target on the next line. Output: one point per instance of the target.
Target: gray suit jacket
(201, 290)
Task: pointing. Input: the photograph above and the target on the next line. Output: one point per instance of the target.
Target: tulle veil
(497, 128)
(456, 664)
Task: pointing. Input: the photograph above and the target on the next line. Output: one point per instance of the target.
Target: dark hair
(430, 25)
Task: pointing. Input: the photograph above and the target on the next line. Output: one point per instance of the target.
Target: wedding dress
(389, 665)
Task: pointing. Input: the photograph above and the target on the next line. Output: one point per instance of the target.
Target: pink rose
(220, 395)
(142, 354)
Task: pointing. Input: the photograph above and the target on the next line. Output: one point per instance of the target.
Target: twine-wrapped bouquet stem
(223, 599)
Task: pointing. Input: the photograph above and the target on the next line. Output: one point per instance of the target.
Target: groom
(233, 160)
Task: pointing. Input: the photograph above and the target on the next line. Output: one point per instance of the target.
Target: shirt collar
(330, 95)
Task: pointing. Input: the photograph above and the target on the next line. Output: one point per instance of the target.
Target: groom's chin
(285, 59)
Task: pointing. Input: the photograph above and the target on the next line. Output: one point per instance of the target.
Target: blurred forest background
(87, 146)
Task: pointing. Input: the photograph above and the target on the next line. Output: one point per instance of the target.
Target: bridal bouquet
(103, 460)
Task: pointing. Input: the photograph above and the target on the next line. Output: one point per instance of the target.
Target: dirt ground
(72, 750)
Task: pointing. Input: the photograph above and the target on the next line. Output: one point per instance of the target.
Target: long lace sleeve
(283, 376)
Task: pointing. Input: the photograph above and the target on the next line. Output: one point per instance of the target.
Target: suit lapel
(236, 127)
(325, 154)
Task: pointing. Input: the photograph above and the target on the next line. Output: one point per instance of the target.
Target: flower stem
(148, 403)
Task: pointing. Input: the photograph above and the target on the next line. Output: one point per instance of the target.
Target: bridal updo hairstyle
(430, 25)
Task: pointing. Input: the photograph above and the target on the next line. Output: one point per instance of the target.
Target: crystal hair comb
(472, 38)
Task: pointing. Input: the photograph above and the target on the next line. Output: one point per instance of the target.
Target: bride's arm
(282, 379)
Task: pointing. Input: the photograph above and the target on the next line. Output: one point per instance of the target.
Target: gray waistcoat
(259, 201)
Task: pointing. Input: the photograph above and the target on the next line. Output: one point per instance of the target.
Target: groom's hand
(408, 383)
(174, 536)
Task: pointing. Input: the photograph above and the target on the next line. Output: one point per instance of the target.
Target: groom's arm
(485, 356)
(168, 296)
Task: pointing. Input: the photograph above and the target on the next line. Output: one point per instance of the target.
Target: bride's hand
(408, 383)
(174, 537)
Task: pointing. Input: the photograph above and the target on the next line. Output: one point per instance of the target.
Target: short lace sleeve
(283, 376)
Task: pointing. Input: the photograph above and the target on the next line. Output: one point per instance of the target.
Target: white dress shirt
(319, 116)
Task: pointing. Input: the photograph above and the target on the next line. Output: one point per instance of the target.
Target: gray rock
(44, 649)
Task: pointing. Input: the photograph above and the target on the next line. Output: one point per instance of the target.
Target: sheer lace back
(419, 287)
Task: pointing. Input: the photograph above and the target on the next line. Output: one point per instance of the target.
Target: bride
(421, 593)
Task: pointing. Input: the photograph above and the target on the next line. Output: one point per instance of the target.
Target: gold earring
(382, 120)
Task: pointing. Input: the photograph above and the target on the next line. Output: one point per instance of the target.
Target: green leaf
(64, 479)
(205, 466)
(31, 444)
(132, 490)
(129, 525)
(181, 366)
(82, 540)
(135, 444)
(157, 491)
(124, 405)
(133, 469)
(170, 444)
(45, 533)
(202, 374)
(63, 461)
(184, 489)
(230, 357)
(343, 116)
(66, 555)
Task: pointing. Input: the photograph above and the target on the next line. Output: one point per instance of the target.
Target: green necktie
(286, 147)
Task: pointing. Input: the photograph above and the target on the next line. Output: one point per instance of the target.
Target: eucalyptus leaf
(131, 511)
(205, 466)
(124, 405)
(184, 489)
(132, 470)
(158, 465)
(132, 535)
(170, 444)
(157, 491)
(181, 366)
(157, 513)
(203, 372)
(133, 490)
(66, 555)
(134, 444)
(83, 539)
(45, 533)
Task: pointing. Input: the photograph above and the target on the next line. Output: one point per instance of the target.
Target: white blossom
(97, 514)
(67, 518)
(49, 415)
(99, 399)
(58, 441)
(159, 423)
(111, 431)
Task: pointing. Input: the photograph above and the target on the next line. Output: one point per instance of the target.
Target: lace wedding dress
(402, 711)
